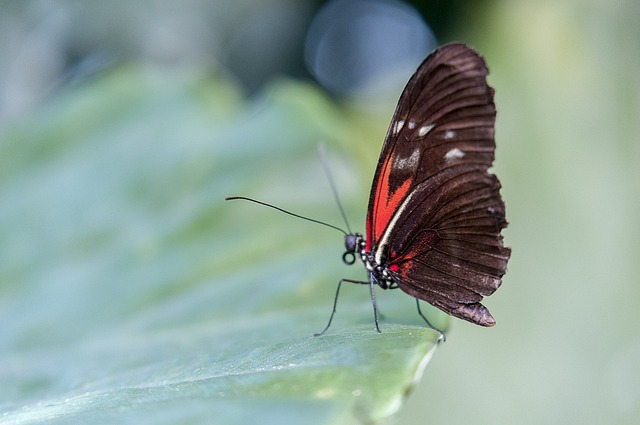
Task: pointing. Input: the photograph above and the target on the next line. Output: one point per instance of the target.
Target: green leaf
(132, 293)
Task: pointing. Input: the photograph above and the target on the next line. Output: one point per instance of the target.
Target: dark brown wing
(435, 212)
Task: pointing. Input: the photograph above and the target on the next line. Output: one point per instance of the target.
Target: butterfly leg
(375, 308)
(335, 303)
(442, 337)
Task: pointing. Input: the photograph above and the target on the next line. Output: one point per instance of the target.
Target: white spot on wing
(397, 127)
(449, 134)
(410, 162)
(453, 154)
(411, 125)
(422, 131)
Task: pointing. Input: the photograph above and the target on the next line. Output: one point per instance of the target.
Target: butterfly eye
(351, 243)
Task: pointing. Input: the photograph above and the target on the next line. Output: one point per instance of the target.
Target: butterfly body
(355, 244)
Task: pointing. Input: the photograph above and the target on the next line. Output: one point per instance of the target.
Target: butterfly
(435, 215)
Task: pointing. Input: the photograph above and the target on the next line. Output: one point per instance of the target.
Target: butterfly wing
(435, 212)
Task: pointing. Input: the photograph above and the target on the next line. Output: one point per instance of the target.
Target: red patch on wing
(386, 203)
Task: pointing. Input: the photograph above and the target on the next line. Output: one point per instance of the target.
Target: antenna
(244, 198)
(322, 153)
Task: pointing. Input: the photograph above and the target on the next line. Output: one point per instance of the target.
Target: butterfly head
(353, 243)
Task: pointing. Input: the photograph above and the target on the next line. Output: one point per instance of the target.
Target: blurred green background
(123, 125)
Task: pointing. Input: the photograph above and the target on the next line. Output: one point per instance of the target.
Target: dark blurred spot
(353, 45)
